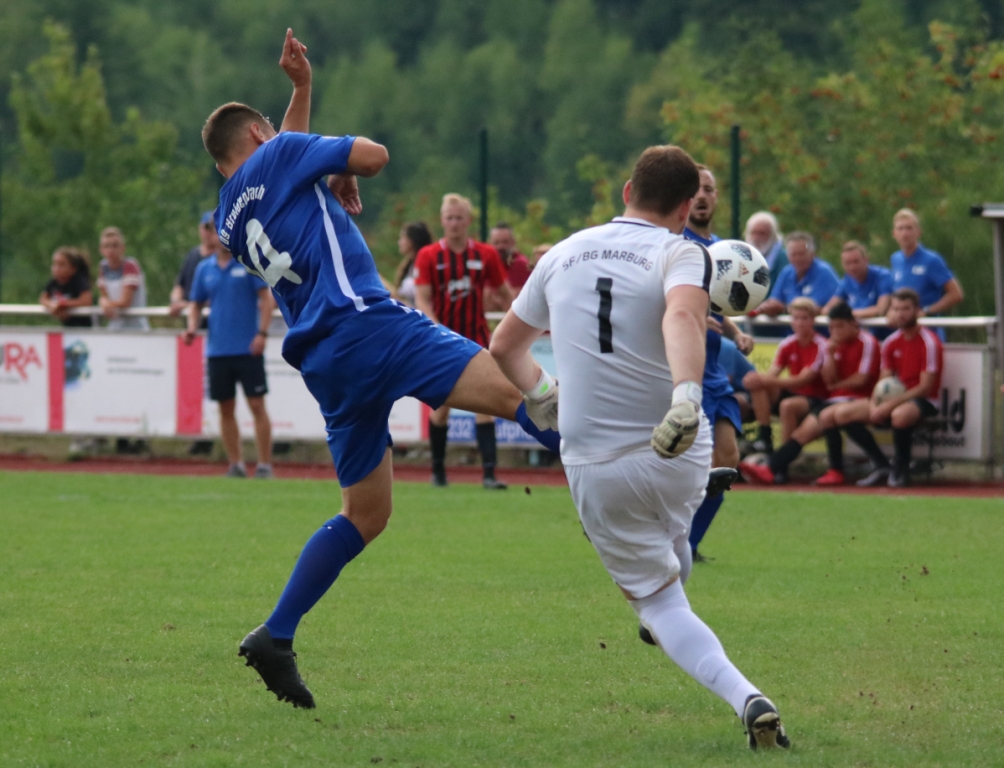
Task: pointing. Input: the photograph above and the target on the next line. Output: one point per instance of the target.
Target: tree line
(848, 112)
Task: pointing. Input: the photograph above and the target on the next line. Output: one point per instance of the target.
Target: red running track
(420, 474)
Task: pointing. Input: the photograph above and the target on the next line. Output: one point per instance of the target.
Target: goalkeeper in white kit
(626, 304)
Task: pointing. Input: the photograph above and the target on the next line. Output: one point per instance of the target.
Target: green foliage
(457, 639)
(78, 171)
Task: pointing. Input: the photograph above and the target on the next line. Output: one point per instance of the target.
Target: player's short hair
(452, 198)
(663, 178)
(907, 294)
(854, 245)
(112, 232)
(906, 213)
(841, 311)
(502, 225)
(804, 237)
(225, 126)
(803, 304)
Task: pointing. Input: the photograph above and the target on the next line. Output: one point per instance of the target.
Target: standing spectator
(921, 269)
(121, 282)
(762, 233)
(805, 276)
(69, 287)
(516, 264)
(867, 289)
(413, 238)
(802, 354)
(912, 354)
(209, 241)
(241, 308)
(454, 279)
(538, 251)
(849, 372)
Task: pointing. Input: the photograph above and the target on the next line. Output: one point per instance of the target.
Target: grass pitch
(481, 630)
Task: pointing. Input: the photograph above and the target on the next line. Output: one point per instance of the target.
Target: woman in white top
(413, 238)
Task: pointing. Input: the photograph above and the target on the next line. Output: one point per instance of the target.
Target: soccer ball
(887, 389)
(741, 278)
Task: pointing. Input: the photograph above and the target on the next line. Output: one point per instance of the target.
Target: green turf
(482, 630)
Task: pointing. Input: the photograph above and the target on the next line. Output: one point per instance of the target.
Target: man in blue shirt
(923, 270)
(241, 306)
(867, 289)
(718, 404)
(805, 275)
(358, 350)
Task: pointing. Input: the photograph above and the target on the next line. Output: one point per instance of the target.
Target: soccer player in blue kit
(717, 402)
(357, 349)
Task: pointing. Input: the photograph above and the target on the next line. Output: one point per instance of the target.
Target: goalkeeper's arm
(683, 331)
(510, 347)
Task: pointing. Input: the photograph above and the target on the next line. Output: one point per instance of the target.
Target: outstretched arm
(294, 63)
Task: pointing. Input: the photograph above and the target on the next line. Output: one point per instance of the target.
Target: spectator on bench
(923, 270)
(241, 307)
(849, 371)
(69, 287)
(865, 287)
(736, 365)
(802, 354)
(913, 354)
(806, 276)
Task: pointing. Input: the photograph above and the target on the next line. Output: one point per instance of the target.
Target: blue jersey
(819, 283)
(715, 383)
(232, 293)
(735, 364)
(878, 283)
(282, 223)
(924, 271)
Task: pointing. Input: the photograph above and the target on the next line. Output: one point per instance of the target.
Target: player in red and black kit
(452, 277)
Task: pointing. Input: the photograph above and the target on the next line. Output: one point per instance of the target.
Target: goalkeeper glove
(678, 429)
(542, 402)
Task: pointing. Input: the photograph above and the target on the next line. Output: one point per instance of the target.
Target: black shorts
(928, 409)
(815, 404)
(227, 370)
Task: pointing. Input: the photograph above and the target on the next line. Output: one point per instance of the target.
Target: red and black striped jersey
(458, 282)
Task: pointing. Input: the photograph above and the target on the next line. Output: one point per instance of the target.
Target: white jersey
(602, 294)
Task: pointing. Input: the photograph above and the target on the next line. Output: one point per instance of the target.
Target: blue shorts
(723, 408)
(368, 363)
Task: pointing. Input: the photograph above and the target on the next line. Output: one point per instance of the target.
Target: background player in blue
(923, 270)
(865, 288)
(717, 402)
(358, 350)
(805, 275)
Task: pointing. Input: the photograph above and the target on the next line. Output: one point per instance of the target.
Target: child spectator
(121, 282)
(802, 354)
(69, 287)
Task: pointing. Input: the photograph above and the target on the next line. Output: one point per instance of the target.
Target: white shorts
(635, 507)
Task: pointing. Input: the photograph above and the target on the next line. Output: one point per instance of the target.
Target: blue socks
(547, 438)
(320, 562)
(703, 517)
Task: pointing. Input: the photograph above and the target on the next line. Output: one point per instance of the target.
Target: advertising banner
(24, 382)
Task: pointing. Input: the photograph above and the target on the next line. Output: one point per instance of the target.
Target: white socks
(692, 645)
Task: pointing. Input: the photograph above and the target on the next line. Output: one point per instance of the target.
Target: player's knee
(904, 417)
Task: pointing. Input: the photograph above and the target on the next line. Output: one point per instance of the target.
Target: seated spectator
(736, 365)
(802, 355)
(241, 307)
(849, 372)
(912, 354)
(209, 241)
(69, 287)
(921, 269)
(413, 238)
(806, 276)
(516, 264)
(866, 288)
(762, 233)
(539, 251)
(121, 282)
